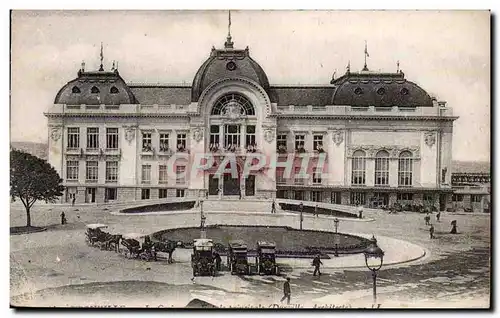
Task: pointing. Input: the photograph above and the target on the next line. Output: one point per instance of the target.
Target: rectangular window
(405, 196)
(179, 193)
(382, 171)
(110, 194)
(92, 138)
(145, 194)
(476, 198)
(280, 177)
(457, 197)
(281, 143)
(336, 198)
(250, 137)
(164, 142)
(112, 138)
(214, 138)
(111, 171)
(162, 193)
(146, 174)
(298, 177)
(162, 174)
(231, 137)
(316, 196)
(358, 198)
(181, 142)
(73, 138)
(428, 197)
(92, 171)
(72, 170)
(180, 175)
(318, 143)
(300, 141)
(358, 170)
(379, 199)
(146, 141)
(317, 176)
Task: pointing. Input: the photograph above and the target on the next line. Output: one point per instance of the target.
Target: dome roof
(378, 89)
(227, 63)
(95, 88)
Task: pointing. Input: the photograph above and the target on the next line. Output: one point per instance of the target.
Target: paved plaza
(56, 267)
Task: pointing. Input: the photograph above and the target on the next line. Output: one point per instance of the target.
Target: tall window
(358, 198)
(92, 171)
(73, 138)
(300, 141)
(405, 169)
(214, 137)
(164, 142)
(250, 136)
(232, 136)
(111, 171)
(112, 138)
(317, 176)
(146, 174)
(146, 141)
(179, 193)
(162, 174)
(318, 143)
(180, 175)
(280, 175)
(72, 170)
(281, 143)
(298, 178)
(162, 193)
(181, 142)
(145, 194)
(457, 197)
(316, 196)
(358, 167)
(405, 197)
(428, 197)
(92, 138)
(382, 168)
(475, 198)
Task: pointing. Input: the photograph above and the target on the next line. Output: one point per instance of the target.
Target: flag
(366, 50)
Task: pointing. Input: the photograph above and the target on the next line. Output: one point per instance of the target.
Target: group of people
(427, 220)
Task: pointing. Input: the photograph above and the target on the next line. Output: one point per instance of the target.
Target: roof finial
(365, 68)
(333, 77)
(349, 66)
(229, 43)
(397, 66)
(101, 68)
(83, 66)
(113, 66)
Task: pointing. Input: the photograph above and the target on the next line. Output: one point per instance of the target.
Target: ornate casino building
(380, 137)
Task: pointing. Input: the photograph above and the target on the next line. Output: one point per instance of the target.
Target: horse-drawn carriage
(134, 248)
(266, 258)
(202, 259)
(237, 261)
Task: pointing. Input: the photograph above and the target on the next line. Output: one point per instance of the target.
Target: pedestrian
(438, 216)
(316, 263)
(286, 291)
(73, 200)
(431, 231)
(63, 218)
(206, 194)
(360, 210)
(427, 219)
(218, 261)
(301, 207)
(453, 227)
(316, 210)
(273, 207)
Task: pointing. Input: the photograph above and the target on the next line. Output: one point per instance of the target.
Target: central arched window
(233, 104)
(358, 167)
(382, 168)
(405, 169)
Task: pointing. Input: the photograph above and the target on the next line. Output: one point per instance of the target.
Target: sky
(446, 52)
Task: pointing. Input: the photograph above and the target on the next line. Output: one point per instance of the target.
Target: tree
(33, 179)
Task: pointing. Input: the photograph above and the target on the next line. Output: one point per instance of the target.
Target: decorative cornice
(394, 151)
(128, 115)
(361, 116)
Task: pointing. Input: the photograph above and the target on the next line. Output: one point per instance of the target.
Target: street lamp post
(374, 258)
(336, 223)
(301, 219)
(202, 221)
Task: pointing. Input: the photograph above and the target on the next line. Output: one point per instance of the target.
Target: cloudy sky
(447, 53)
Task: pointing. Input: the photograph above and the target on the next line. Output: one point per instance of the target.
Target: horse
(167, 247)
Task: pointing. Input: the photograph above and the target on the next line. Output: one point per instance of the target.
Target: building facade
(471, 184)
(367, 137)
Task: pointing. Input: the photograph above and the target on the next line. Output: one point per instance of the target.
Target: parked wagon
(202, 259)
(237, 261)
(266, 258)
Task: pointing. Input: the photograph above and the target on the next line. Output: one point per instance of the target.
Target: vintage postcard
(250, 159)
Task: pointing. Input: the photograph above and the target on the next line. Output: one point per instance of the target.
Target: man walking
(286, 291)
(427, 219)
(73, 200)
(273, 207)
(431, 231)
(63, 218)
(438, 216)
(316, 210)
(360, 210)
(316, 263)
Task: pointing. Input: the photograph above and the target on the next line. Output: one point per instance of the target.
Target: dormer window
(113, 90)
(75, 90)
(94, 90)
